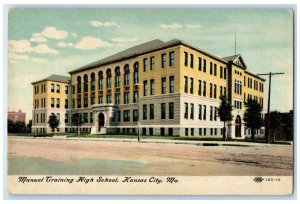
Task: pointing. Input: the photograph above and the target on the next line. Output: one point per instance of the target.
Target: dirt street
(42, 156)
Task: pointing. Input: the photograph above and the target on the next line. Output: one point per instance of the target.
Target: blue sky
(42, 42)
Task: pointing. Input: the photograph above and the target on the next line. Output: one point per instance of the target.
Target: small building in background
(16, 116)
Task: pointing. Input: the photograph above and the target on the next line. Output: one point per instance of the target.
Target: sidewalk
(161, 141)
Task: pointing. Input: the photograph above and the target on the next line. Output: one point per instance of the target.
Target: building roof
(56, 78)
(140, 49)
(255, 75)
(237, 60)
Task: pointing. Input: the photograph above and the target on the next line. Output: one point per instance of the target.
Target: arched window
(126, 75)
(85, 83)
(136, 73)
(78, 84)
(108, 79)
(117, 79)
(93, 81)
(100, 81)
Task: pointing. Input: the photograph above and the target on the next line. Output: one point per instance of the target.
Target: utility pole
(269, 100)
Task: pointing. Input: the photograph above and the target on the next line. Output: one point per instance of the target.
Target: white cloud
(193, 26)
(13, 57)
(74, 35)
(44, 49)
(36, 34)
(91, 43)
(41, 60)
(105, 24)
(38, 39)
(171, 26)
(52, 32)
(19, 46)
(123, 40)
(65, 44)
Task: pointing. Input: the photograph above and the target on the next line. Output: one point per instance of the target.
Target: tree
(77, 121)
(53, 122)
(252, 116)
(224, 112)
(29, 126)
(16, 127)
(275, 123)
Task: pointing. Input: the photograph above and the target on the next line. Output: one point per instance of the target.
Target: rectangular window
(170, 131)
(92, 100)
(211, 131)
(163, 60)
(204, 131)
(135, 115)
(221, 90)
(52, 88)
(126, 115)
(210, 90)
(215, 91)
(85, 118)
(66, 89)
(199, 63)
(52, 102)
(211, 113)
(225, 93)
(186, 110)
(192, 131)
(151, 111)
(91, 118)
(200, 131)
(152, 63)
(79, 103)
(185, 84)
(200, 112)
(171, 81)
(57, 103)
(126, 97)
(152, 87)
(216, 114)
(225, 73)
(186, 132)
(186, 60)
(163, 85)
(100, 99)
(117, 98)
(163, 110)
(100, 84)
(117, 81)
(204, 88)
(66, 103)
(57, 88)
(119, 116)
(162, 131)
(192, 111)
(136, 77)
(108, 98)
(171, 110)
(145, 61)
(85, 102)
(144, 112)
(204, 65)
(215, 69)
(221, 72)
(145, 88)
(192, 85)
(204, 112)
(171, 58)
(199, 87)
(108, 83)
(135, 96)
(211, 68)
(73, 103)
(192, 60)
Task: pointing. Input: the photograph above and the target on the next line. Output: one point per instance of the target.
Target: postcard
(150, 101)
